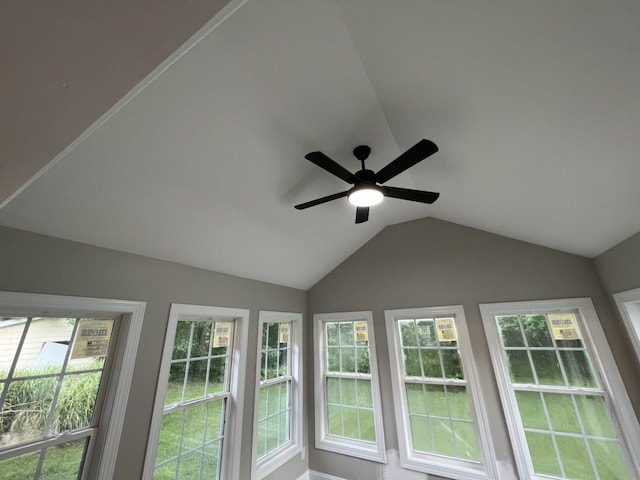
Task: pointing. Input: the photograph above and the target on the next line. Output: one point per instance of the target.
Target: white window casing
(484, 467)
(629, 306)
(604, 384)
(292, 380)
(370, 404)
(129, 316)
(232, 429)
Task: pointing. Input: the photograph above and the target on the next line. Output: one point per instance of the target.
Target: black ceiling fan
(367, 187)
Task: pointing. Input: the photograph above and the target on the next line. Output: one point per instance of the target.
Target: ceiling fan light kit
(367, 190)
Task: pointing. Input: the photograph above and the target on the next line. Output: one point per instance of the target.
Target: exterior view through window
(274, 413)
(278, 414)
(191, 435)
(556, 389)
(52, 381)
(350, 420)
(442, 426)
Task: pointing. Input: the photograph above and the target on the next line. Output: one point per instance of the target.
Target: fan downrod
(361, 152)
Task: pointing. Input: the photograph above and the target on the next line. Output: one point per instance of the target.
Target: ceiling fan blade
(321, 200)
(409, 194)
(408, 159)
(362, 214)
(324, 162)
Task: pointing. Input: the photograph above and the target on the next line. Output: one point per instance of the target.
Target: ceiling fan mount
(367, 187)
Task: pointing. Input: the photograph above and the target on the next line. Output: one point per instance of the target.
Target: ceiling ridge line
(227, 11)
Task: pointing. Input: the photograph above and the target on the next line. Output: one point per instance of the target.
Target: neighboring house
(43, 331)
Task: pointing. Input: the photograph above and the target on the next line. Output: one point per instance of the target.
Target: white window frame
(103, 460)
(285, 452)
(618, 402)
(432, 463)
(324, 441)
(232, 446)
(629, 306)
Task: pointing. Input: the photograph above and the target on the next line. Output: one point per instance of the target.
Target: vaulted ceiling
(535, 107)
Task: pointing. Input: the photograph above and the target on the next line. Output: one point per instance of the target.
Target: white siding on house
(42, 330)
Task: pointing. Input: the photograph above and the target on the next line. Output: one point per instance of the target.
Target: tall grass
(29, 403)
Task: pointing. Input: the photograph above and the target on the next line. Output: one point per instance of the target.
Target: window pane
(12, 328)
(46, 344)
(181, 342)
(562, 413)
(452, 364)
(332, 333)
(365, 396)
(543, 454)
(26, 407)
(333, 390)
(76, 402)
(211, 460)
(466, 443)
(349, 392)
(578, 368)
(431, 363)
(350, 422)
(436, 401)
(459, 403)
(416, 398)
(407, 333)
(519, 366)
(215, 419)
(537, 331)
(217, 375)
(20, 468)
(531, 410)
(547, 367)
(426, 333)
(608, 459)
(367, 426)
(63, 461)
(443, 442)
(348, 364)
(411, 357)
(189, 467)
(420, 433)
(193, 427)
(362, 359)
(169, 442)
(346, 334)
(510, 332)
(335, 420)
(595, 416)
(575, 458)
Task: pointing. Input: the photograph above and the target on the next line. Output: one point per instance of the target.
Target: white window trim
(355, 448)
(124, 360)
(233, 436)
(629, 306)
(280, 456)
(432, 463)
(622, 413)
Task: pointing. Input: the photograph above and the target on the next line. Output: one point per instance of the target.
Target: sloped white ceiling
(534, 106)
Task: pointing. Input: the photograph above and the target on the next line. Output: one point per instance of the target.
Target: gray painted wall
(430, 262)
(39, 264)
(619, 267)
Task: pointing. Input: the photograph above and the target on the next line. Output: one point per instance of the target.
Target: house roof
(534, 106)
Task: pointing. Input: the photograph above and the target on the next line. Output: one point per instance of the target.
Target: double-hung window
(65, 370)
(629, 305)
(195, 430)
(347, 395)
(278, 407)
(567, 409)
(442, 427)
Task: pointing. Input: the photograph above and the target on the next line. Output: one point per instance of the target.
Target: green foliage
(28, 403)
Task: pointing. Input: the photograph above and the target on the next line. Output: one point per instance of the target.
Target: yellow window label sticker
(446, 328)
(284, 332)
(563, 326)
(222, 334)
(92, 338)
(361, 331)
